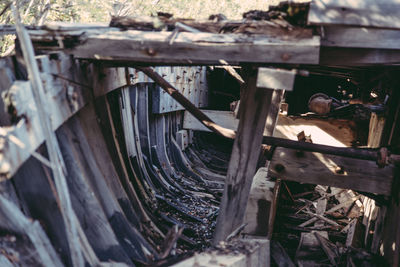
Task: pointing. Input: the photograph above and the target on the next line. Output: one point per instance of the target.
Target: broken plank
(225, 119)
(280, 256)
(188, 48)
(328, 247)
(322, 218)
(355, 234)
(317, 168)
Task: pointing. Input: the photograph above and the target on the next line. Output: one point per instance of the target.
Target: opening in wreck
(286, 155)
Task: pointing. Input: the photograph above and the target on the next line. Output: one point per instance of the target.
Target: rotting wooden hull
(129, 181)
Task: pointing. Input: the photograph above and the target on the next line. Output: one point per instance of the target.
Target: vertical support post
(255, 104)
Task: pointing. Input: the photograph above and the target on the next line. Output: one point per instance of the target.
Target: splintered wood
(329, 226)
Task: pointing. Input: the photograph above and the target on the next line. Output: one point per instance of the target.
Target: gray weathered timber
(189, 48)
(6, 79)
(66, 90)
(51, 141)
(372, 13)
(87, 207)
(259, 204)
(224, 118)
(262, 203)
(343, 56)
(316, 168)
(191, 82)
(255, 104)
(275, 79)
(360, 37)
(13, 219)
(60, 107)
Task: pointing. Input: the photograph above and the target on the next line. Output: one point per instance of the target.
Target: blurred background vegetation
(39, 12)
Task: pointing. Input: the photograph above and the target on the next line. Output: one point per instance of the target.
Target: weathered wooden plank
(259, 204)
(376, 126)
(276, 79)
(102, 156)
(316, 168)
(109, 132)
(87, 207)
(29, 130)
(14, 220)
(337, 132)
(191, 48)
(339, 56)
(53, 149)
(360, 37)
(262, 204)
(67, 90)
(34, 194)
(253, 112)
(130, 238)
(6, 79)
(257, 255)
(225, 119)
(372, 13)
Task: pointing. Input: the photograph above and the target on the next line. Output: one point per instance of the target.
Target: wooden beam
(188, 48)
(376, 126)
(339, 56)
(53, 149)
(360, 37)
(276, 79)
(255, 104)
(316, 168)
(259, 204)
(371, 13)
(28, 134)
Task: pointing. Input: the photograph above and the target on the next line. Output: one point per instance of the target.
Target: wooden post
(255, 104)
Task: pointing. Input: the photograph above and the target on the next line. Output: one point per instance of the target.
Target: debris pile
(324, 226)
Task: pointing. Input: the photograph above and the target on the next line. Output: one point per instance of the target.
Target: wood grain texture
(316, 168)
(344, 56)
(372, 13)
(253, 112)
(189, 48)
(360, 37)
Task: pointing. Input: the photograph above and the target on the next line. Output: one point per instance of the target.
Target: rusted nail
(339, 170)
(285, 57)
(150, 51)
